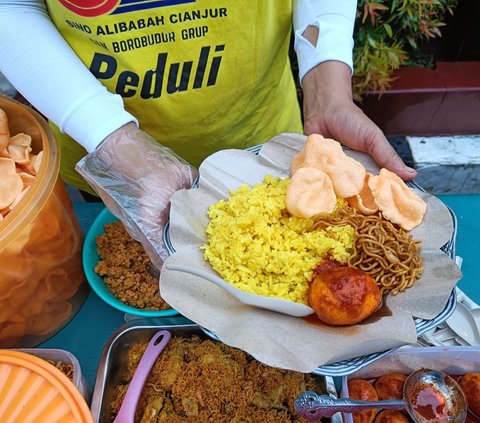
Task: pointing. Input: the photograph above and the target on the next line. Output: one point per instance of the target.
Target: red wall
(441, 101)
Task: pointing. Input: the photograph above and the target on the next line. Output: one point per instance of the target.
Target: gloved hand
(135, 177)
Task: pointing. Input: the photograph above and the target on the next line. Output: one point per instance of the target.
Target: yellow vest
(199, 75)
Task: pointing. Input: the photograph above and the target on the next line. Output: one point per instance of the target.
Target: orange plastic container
(42, 284)
(33, 390)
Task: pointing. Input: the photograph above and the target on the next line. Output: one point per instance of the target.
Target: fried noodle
(381, 248)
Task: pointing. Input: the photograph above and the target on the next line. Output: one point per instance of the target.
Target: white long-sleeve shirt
(40, 64)
(335, 20)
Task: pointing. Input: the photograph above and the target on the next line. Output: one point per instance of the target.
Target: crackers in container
(18, 166)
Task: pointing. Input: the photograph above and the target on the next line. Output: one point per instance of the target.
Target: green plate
(90, 259)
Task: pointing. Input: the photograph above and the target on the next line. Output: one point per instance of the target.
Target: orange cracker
(26, 178)
(4, 131)
(364, 200)
(19, 148)
(327, 155)
(38, 161)
(310, 192)
(397, 202)
(18, 166)
(11, 184)
(313, 153)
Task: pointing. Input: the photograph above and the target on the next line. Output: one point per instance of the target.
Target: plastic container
(34, 390)
(42, 284)
(455, 361)
(90, 260)
(64, 357)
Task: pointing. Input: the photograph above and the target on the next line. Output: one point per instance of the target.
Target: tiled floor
(447, 164)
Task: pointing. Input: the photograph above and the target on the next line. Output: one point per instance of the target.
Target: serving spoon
(428, 396)
(279, 305)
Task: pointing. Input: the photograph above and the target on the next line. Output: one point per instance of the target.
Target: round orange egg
(391, 416)
(390, 386)
(343, 295)
(470, 384)
(360, 389)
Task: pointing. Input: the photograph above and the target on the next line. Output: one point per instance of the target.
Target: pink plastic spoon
(126, 414)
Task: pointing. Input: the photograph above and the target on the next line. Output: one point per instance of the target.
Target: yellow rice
(256, 245)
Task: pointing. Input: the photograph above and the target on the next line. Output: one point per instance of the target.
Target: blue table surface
(88, 332)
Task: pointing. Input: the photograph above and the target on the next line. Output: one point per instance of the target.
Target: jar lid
(33, 390)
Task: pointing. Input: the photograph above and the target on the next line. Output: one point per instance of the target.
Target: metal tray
(114, 357)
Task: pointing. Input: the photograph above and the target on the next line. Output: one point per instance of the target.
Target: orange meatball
(470, 384)
(342, 295)
(391, 416)
(390, 386)
(361, 389)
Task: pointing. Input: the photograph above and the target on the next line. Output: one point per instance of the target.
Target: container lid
(64, 357)
(33, 390)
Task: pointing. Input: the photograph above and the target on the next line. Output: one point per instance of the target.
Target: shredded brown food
(196, 380)
(66, 369)
(123, 266)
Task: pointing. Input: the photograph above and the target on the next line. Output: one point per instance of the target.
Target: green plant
(388, 34)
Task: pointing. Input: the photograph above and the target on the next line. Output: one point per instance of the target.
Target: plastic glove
(135, 177)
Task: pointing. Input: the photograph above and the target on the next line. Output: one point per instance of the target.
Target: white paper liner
(278, 340)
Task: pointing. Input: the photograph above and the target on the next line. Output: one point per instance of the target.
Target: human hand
(135, 177)
(329, 110)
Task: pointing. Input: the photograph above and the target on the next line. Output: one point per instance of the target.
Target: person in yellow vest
(139, 92)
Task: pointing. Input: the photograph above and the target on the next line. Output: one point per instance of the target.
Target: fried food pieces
(361, 389)
(18, 166)
(324, 158)
(11, 184)
(41, 279)
(391, 416)
(347, 175)
(342, 295)
(196, 380)
(364, 201)
(42, 282)
(320, 173)
(4, 130)
(396, 201)
(390, 386)
(470, 384)
(310, 192)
